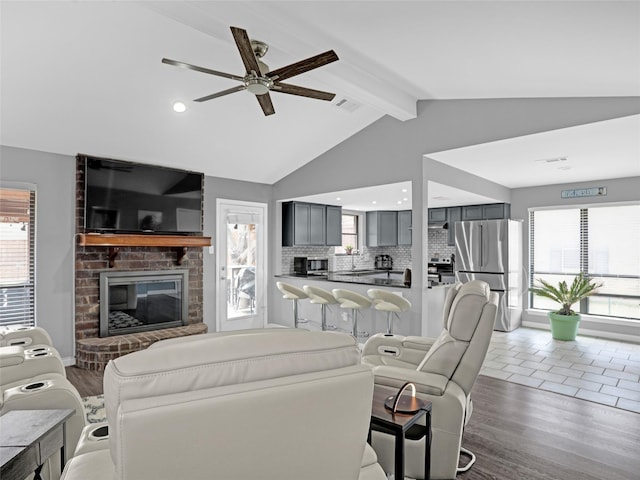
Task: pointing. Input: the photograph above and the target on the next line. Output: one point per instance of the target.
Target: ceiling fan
(258, 79)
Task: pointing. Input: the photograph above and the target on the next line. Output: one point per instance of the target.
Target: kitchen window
(602, 242)
(17, 256)
(349, 232)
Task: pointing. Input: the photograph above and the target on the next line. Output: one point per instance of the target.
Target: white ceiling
(86, 76)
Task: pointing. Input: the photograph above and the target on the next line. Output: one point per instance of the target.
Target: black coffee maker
(383, 262)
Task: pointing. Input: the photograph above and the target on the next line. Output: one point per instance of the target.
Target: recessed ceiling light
(374, 202)
(338, 198)
(405, 199)
(404, 190)
(399, 202)
(179, 107)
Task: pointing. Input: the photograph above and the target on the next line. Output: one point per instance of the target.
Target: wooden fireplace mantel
(116, 240)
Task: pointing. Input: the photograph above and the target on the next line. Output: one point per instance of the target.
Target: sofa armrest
(94, 436)
(426, 383)
(94, 465)
(396, 350)
(370, 469)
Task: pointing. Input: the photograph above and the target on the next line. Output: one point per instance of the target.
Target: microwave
(310, 265)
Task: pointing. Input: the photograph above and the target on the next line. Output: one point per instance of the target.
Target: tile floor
(595, 369)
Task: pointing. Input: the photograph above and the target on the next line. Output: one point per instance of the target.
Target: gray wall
(619, 190)
(215, 188)
(362, 160)
(391, 151)
(55, 179)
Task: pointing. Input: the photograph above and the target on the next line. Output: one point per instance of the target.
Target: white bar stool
(389, 302)
(292, 293)
(355, 302)
(323, 297)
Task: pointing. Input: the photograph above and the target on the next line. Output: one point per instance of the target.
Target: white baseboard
(68, 361)
(589, 333)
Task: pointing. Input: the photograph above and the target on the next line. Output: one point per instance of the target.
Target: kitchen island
(360, 280)
(372, 277)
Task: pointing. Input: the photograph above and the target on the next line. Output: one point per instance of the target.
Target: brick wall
(90, 261)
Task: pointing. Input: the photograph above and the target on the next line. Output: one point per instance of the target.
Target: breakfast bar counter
(378, 278)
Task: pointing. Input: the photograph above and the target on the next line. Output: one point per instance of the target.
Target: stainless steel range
(440, 270)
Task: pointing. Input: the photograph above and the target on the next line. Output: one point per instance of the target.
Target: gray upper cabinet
(334, 225)
(496, 211)
(382, 228)
(316, 224)
(437, 215)
(404, 227)
(491, 211)
(311, 224)
(454, 214)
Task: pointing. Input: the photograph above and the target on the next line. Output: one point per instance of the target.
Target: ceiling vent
(552, 160)
(348, 105)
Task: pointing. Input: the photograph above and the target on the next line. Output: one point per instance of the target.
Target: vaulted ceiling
(86, 76)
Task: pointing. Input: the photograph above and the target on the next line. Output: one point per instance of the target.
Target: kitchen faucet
(353, 265)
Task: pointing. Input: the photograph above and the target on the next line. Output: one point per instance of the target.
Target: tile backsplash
(438, 243)
(401, 256)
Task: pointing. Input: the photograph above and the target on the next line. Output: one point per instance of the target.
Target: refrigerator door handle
(481, 247)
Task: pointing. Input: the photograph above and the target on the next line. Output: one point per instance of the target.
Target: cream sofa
(270, 404)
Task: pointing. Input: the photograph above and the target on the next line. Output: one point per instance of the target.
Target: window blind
(17, 256)
(602, 242)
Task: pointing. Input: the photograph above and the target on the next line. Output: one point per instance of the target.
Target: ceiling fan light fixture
(258, 85)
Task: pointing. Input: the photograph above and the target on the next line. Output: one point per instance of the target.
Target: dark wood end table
(28, 438)
(383, 420)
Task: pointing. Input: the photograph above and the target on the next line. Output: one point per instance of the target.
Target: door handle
(481, 246)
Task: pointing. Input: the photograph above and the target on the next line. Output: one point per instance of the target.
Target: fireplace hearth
(140, 301)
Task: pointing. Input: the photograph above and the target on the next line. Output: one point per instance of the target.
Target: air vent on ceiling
(552, 160)
(348, 105)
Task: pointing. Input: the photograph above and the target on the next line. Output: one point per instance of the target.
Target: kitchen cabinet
(436, 215)
(311, 224)
(382, 228)
(333, 225)
(490, 211)
(404, 227)
(454, 214)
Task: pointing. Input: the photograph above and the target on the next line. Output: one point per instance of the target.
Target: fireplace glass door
(140, 301)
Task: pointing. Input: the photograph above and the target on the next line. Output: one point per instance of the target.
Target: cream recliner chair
(32, 377)
(443, 370)
(12, 335)
(262, 404)
(18, 363)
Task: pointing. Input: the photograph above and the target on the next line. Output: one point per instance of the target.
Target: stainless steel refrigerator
(491, 250)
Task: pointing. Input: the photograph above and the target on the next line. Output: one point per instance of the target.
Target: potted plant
(348, 249)
(564, 322)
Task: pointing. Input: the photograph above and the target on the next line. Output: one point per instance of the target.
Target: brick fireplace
(94, 255)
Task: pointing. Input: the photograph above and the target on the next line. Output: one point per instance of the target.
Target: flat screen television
(125, 197)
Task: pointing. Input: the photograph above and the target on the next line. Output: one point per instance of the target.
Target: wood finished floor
(521, 433)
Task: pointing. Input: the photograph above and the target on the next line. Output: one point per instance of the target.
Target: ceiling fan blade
(188, 66)
(303, 66)
(265, 103)
(239, 88)
(246, 51)
(302, 91)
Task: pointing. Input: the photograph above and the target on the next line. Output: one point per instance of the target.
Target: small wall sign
(584, 192)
